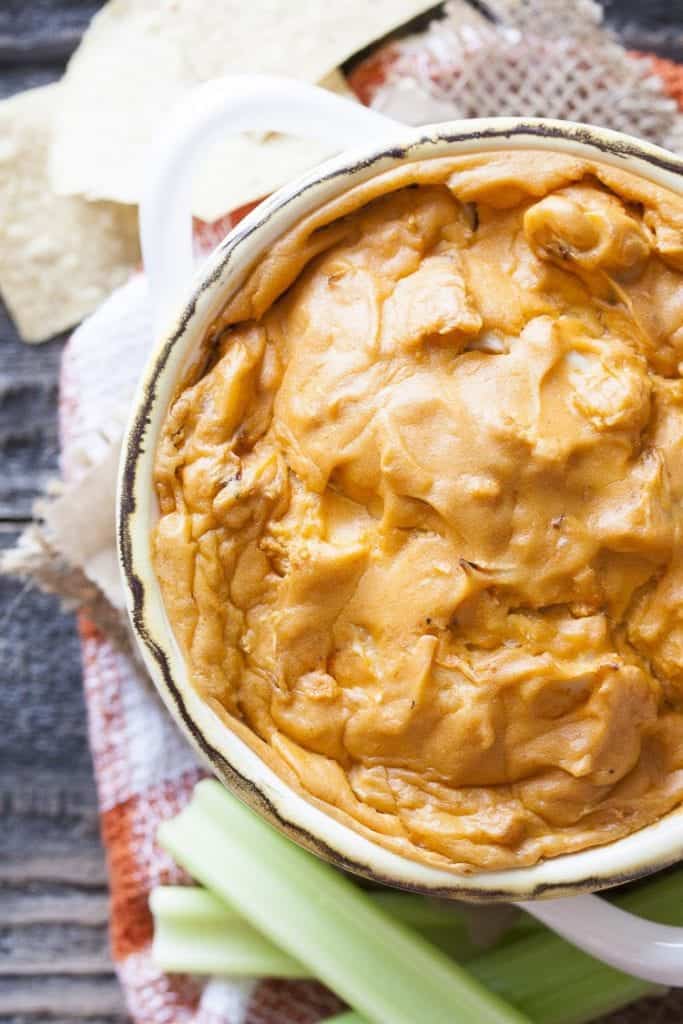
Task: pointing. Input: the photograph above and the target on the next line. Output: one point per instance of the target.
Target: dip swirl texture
(421, 526)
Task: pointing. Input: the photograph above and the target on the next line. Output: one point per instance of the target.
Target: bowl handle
(629, 943)
(236, 103)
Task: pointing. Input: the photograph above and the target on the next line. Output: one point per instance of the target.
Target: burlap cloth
(538, 59)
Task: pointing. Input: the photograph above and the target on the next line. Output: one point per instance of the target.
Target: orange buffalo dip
(421, 533)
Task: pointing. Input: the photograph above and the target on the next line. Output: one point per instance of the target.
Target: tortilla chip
(59, 257)
(137, 60)
(244, 167)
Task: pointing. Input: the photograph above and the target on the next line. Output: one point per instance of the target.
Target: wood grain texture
(65, 948)
(650, 25)
(54, 953)
(78, 999)
(54, 962)
(44, 31)
(51, 904)
(54, 957)
(28, 425)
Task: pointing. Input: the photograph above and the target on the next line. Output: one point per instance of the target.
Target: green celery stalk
(380, 967)
(537, 971)
(447, 925)
(420, 911)
(531, 966)
(196, 931)
(555, 983)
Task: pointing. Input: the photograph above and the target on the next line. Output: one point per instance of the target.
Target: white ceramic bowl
(186, 303)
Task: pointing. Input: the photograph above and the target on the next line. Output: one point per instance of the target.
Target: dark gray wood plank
(48, 904)
(42, 30)
(654, 26)
(62, 948)
(41, 701)
(61, 999)
(28, 420)
(53, 920)
(53, 899)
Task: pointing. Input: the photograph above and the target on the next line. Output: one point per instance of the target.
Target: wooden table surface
(54, 963)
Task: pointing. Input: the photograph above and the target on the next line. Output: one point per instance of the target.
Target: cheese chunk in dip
(421, 521)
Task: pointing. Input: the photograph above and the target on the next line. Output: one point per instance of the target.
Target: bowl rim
(237, 765)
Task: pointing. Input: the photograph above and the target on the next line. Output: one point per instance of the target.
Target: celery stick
(531, 967)
(195, 933)
(555, 983)
(449, 926)
(534, 972)
(380, 967)
(420, 911)
(524, 972)
(192, 903)
(193, 924)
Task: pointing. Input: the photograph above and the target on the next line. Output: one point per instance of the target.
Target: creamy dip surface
(421, 531)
